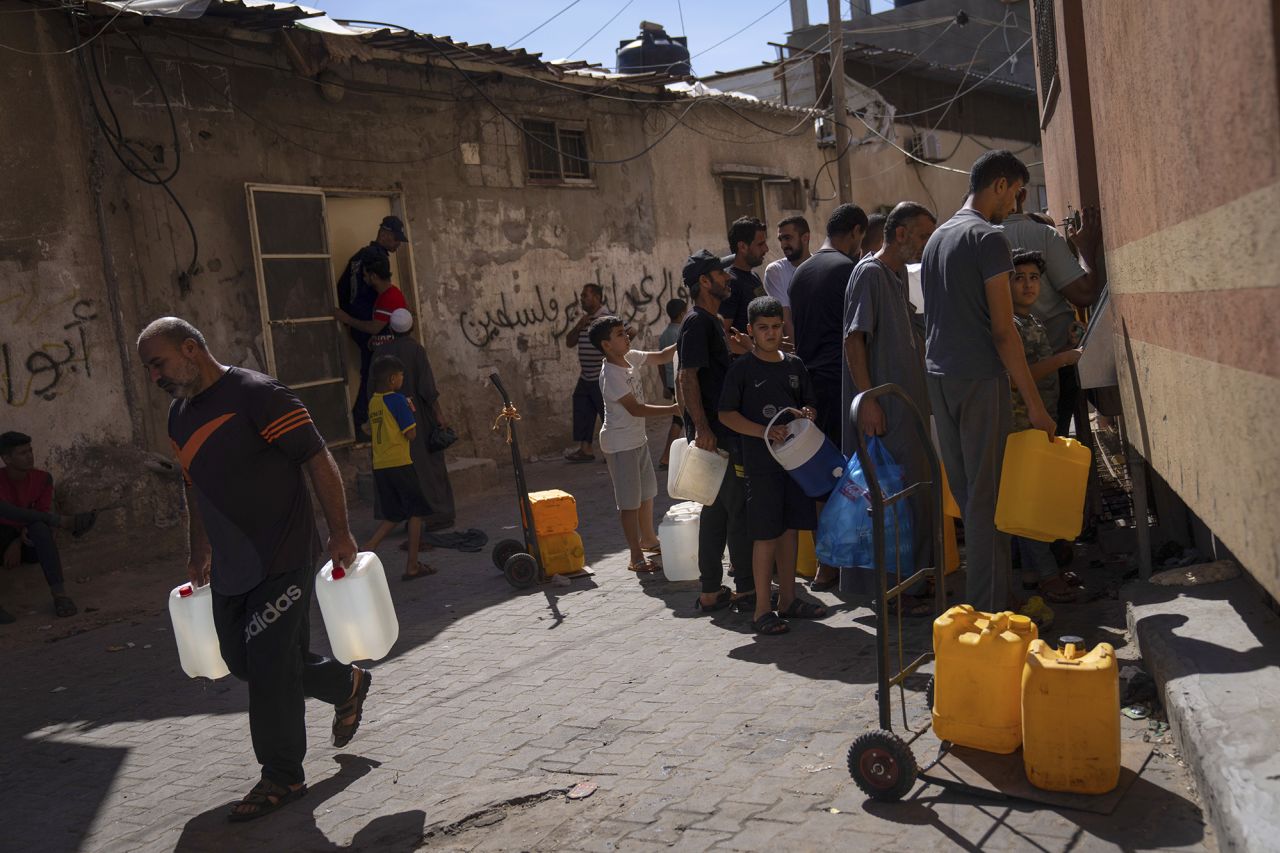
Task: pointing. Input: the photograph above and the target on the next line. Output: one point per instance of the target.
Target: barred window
(555, 153)
(1046, 49)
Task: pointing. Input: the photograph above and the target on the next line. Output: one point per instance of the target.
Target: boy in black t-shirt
(756, 388)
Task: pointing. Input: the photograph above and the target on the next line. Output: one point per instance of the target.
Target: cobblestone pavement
(493, 702)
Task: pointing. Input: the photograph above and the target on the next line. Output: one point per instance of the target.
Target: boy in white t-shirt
(622, 436)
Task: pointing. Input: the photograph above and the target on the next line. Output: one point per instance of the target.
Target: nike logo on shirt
(761, 382)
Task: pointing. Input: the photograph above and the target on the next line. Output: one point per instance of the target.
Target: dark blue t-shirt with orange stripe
(242, 443)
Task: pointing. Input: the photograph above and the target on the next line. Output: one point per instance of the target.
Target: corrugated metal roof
(267, 16)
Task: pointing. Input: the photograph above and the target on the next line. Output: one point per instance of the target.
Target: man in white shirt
(793, 239)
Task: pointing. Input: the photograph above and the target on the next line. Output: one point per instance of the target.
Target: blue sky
(501, 22)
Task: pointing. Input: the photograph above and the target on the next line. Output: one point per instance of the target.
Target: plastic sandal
(805, 610)
(260, 799)
(344, 732)
(770, 625)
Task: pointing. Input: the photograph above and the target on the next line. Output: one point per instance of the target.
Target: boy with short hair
(393, 425)
(622, 435)
(676, 309)
(758, 386)
(1024, 286)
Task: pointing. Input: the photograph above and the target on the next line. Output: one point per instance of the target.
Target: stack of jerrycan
(1071, 717)
(977, 694)
(555, 520)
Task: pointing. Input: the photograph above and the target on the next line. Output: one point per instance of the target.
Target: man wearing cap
(420, 387)
(375, 269)
(27, 521)
(356, 298)
(704, 351)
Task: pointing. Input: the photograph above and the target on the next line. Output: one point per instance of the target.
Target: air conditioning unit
(925, 146)
(825, 129)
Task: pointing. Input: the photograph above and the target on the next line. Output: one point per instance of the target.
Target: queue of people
(995, 353)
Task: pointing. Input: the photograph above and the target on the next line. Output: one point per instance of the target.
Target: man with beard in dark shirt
(817, 314)
(244, 442)
(704, 351)
(817, 311)
(749, 246)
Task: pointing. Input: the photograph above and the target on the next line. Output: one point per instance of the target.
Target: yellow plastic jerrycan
(1042, 486)
(806, 555)
(950, 547)
(950, 509)
(1071, 717)
(554, 512)
(978, 677)
(562, 553)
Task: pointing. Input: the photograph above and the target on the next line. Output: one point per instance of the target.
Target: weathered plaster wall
(60, 367)
(1189, 174)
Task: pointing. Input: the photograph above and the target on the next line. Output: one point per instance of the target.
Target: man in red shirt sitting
(27, 520)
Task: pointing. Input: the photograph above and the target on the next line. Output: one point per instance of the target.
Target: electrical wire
(119, 144)
(915, 56)
(79, 44)
(544, 23)
(959, 95)
(965, 79)
(591, 37)
(741, 31)
(684, 31)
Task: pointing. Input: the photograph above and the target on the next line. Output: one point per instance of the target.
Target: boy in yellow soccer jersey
(392, 425)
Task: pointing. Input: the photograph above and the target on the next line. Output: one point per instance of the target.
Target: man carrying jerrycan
(972, 351)
(243, 440)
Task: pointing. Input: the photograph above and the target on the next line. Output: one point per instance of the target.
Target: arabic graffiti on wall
(642, 304)
(41, 371)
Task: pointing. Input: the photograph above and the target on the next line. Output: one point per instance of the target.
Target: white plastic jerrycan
(678, 534)
(357, 610)
(695, 474)
(191, 610)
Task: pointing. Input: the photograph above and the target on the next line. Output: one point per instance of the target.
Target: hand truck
(520, 561)
(880, 761)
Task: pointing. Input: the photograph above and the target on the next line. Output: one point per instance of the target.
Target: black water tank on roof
(654, 52)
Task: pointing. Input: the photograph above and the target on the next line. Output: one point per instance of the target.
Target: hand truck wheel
(928, 693)
(521, 570)
(504, 551)
(882, 765)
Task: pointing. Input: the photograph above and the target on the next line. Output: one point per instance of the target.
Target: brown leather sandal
(343, 732)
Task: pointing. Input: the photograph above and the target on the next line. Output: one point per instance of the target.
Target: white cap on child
(401, 320)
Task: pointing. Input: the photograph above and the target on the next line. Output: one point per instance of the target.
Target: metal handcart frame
(520, 561)
(880, 761)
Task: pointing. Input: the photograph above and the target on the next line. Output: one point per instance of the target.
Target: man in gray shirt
(880, 346)
(972, 350)
(1068, 283)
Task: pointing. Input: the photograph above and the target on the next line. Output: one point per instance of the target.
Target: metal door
(296, 294)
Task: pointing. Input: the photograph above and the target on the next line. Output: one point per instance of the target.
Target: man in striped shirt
(587, 402)
(243, 441)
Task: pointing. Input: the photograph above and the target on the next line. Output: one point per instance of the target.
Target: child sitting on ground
(757, 387)
(1037, 557)
(392, 424)
(622, 435)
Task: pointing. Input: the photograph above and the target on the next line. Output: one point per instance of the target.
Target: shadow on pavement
(294, 827)
(1160, 817)
(93, 769)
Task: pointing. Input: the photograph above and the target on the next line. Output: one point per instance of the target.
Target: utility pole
(839, 108)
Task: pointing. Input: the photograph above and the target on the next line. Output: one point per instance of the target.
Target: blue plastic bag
(844, 535)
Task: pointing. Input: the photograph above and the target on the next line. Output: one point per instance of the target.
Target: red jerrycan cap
(185, 591)
(339, 573)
